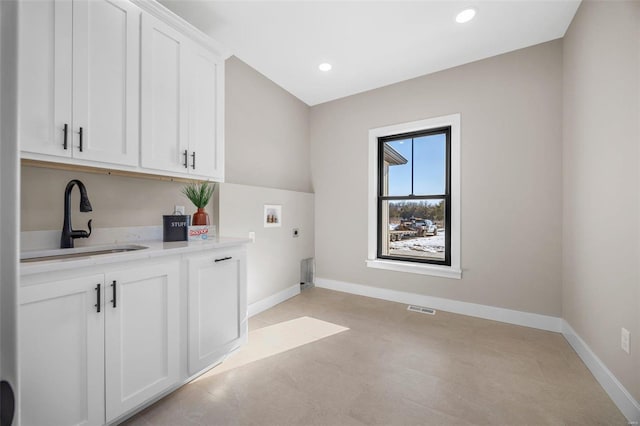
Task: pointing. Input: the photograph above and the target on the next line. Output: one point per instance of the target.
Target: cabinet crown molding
(167, 16)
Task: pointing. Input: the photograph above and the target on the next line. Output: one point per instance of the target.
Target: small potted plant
(200, 195)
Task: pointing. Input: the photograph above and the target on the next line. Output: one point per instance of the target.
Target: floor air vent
(421, 309)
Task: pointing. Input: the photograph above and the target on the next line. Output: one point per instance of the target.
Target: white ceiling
(369, 43)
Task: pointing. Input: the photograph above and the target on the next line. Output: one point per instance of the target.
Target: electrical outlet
(296, 233)
(252, 237)
(178, 209)
(625, 336)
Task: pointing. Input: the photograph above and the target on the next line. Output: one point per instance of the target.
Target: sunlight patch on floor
(275, 339)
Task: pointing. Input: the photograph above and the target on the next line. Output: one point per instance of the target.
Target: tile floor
(394, 367)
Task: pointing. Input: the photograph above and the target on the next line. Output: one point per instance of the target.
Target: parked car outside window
(427, 227)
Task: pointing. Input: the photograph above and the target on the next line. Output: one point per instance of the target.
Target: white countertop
(154, 249)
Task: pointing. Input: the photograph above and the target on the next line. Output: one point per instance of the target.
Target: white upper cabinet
(182, 93)
(106, 77)
(206, 115)
(45, 77)
(163, 84)
(120, 84)
(79, 94)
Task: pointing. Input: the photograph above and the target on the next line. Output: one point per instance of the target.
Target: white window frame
(453, 271)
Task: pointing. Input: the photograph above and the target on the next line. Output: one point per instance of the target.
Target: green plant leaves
(199, 193)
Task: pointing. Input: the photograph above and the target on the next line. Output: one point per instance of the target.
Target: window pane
(413, 229)
(397, 168)
(430, 158)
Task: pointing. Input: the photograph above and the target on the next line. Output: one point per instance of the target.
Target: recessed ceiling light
(324, 66)
(465, 16)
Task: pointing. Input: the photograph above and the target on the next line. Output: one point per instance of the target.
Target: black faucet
(68, 233)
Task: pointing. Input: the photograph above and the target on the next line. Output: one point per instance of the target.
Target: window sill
(415, 268)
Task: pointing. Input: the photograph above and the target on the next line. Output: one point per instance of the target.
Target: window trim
(453, 271)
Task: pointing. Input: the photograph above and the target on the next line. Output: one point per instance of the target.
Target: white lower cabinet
(96, 346)
(79, 348)
(62, 352)
(217, 306)
(141, 335)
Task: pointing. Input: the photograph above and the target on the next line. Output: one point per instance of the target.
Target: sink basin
(74, 253)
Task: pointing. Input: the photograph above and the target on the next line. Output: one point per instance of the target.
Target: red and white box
(198, 233)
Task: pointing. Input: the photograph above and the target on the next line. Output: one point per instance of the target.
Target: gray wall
(267, 153)
(268, 126)
(511, 128)
(268, 130)
(601, 159)
(274, 258)
(117, 201)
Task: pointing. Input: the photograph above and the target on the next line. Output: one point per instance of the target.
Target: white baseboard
(266, 303)
(527, 319)
(616, 391)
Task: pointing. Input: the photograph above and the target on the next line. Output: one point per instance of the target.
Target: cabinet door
(206, 122)
(44, 61)
(217, 307)
(163, 97)
(62, 353)
(105, 80)
(141, 335)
